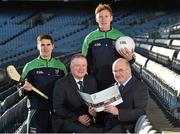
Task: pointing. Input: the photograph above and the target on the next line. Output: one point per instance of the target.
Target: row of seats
(9, 101)
(12, 26)
(8, 91)
(143, 126)
(166, 43)
(168, 57)
(14, 117)
(163, 82)
(66, 26)
(20, 46)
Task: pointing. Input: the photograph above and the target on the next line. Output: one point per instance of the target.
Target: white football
(125, 42)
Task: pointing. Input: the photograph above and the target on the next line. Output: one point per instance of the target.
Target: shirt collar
(77, 80)
(105, 31)
(124, 84)
(39, 57)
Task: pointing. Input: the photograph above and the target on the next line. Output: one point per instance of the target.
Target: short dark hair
(45, 36)
(78, 55)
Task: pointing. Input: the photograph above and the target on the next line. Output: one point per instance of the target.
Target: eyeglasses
(120, 70)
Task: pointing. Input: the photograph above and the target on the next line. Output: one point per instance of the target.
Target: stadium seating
(7, 92)
(10, 101)
(143, 126)
(154, 69)
(22, 128)
(157, 53)
(13, 117)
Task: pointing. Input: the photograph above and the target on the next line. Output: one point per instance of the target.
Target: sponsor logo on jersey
(39, 72)
(97, 44)
(56, 71)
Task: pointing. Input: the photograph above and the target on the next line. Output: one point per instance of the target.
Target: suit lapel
(86, 87)
(73, 83)
(128, 86)
(74, 87)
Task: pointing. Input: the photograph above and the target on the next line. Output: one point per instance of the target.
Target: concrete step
(156, 116)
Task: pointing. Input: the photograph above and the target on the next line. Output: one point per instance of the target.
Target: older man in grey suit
(135, 98)
(71, 114)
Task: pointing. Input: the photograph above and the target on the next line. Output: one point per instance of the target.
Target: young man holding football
(99, 48)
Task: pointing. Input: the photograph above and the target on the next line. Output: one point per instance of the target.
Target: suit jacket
(135, 98)
(67, 102)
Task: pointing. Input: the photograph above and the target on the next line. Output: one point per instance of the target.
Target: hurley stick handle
(14, 75)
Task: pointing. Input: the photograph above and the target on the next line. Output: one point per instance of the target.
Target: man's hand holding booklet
(98, 100)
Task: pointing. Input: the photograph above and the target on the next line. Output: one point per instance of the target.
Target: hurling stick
(14, 75)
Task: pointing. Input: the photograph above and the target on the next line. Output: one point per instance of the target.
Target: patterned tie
(81, 86)
(121, 87)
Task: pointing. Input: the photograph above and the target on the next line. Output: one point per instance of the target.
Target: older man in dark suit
(71, 114)
(135, 97)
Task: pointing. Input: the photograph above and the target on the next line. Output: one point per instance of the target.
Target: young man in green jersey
(99, 48)
(42, 73)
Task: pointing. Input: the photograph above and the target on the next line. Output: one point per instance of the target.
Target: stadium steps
(157, 116)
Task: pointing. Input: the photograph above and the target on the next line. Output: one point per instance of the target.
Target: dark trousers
(71, 126)
(76, 127)
(39, 121)
(115, 129)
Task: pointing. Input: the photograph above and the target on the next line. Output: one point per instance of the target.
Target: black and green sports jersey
(43, 74)
(99, 48)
